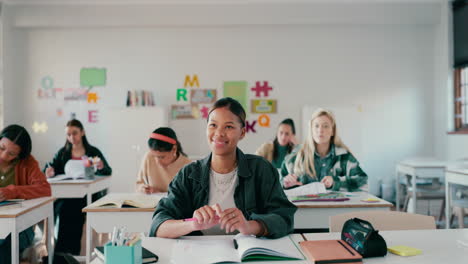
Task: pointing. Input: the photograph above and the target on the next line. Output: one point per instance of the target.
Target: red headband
(163, 138)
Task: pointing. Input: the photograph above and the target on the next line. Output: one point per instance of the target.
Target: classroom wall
(379, 61)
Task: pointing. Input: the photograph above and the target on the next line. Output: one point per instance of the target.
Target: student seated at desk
(282, 145)
(71, 219)
(226, 192)
(162, 162)
(323, 157)
(20, 178)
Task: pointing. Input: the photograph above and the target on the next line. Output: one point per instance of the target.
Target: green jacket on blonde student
(258, 195)
(339, 163)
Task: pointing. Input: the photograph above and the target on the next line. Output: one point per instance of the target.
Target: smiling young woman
(228, 191)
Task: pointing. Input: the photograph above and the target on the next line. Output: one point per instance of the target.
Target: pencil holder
(123, 254)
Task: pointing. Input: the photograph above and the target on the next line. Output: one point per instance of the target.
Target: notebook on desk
(132, 201)
(238, 249)
(330, 251)
(9, 204)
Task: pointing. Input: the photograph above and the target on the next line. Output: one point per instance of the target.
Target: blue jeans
(25, 240)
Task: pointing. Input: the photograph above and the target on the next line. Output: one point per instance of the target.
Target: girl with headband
(162, 162)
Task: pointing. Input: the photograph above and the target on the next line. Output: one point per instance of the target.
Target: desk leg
(413, 181)
(88, 242)
(448, 204)
(88, 198)
(15, 246)
(397, 189)
(50, 238)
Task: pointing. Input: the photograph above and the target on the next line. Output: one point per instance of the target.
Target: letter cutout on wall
(264, 120)
(182, 93)
(191, 82)
(93, 116)
(250, 126)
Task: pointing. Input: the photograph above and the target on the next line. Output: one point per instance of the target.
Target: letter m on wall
(191, 82)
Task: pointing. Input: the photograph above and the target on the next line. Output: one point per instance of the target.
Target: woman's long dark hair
(163, 146)
(289, 147)
(18, 135)
(84, 140)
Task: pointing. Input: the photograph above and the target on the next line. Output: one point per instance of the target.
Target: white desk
(79, 188)
(15, 220)
(417, 168)
(438, 246)
(453, 176)
(102, 220)
(311, 215)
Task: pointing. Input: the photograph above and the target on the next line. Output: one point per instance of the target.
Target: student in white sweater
(161, 163)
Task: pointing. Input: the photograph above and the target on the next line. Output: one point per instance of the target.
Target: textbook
(330, 251)
(129, 201)
(148, 256)
(9, 204)
(240, 248)
(310, 188)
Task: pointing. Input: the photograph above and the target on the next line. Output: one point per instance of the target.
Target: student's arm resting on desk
(143, 172)
(276, 212)
(30, 181)
(352, 176)
(178, 205)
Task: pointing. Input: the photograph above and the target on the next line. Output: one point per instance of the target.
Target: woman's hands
(327, 181)
(50, 172)
(230, 220)
(290, 181)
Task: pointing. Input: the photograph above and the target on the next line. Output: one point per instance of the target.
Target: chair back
(385, 220)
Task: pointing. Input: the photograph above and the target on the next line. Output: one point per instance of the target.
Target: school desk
(15, 220)
(417, 168)
(438, 246)
(315, 215)
(455, 175)
(79, 188)
(102, 219)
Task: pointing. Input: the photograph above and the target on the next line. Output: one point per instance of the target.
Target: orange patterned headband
(163, 138)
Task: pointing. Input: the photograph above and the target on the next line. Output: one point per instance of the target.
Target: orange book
(330, 251)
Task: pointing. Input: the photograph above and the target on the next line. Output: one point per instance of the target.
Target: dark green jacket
(259, 194)
(62, 156)
(342, 166)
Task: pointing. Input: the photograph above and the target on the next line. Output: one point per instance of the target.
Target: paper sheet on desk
(311, 188)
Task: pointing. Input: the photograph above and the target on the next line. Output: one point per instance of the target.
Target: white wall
(383, 64)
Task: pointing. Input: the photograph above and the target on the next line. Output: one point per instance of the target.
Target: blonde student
(20, 178)
(323, 157)
(282, 145)
(226, 192)
(162, 162)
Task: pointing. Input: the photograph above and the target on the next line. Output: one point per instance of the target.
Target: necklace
(222, 182)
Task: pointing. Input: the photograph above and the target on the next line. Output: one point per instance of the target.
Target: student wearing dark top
(68, 211)
(20, 178)
(281, 146)
(228, 191)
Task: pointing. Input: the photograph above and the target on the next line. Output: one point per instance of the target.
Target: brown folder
(330, 251)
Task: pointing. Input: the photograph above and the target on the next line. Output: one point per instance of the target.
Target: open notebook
(249, 248)
(137, 200)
